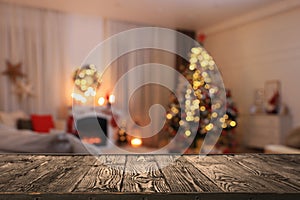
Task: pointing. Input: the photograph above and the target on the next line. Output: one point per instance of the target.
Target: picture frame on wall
(272, 96)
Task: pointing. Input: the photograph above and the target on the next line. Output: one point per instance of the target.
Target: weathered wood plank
(150, 174)
(104, 176)
(288, 164)
(182, 176)
(67, 181)
(49, 175)
(232, 177)
(10, 158)
(143, 175)
(152, 196)
(276, 173)
(13, 169)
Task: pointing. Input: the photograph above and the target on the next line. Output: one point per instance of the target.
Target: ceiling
(188, 14)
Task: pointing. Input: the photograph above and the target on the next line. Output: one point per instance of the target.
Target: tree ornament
(24, 89)
(13, 71)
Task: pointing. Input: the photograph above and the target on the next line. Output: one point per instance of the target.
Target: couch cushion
(10, 118)
(24, 141)
(42, 123)
(24, 124)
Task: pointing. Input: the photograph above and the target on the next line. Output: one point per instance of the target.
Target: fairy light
(79, 97)
(112, 98)
(232, 123)
(101, 101)
(188, 133)
(87, 77)
(169, 116)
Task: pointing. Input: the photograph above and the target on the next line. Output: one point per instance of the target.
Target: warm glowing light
(222, 119)
(101, 101)
(174, 110)
(204, 63)
(214, 114)
(136, 142)
(90, 92)
(112, 98)
(209, 127)
(193, 60)
(192, 66)
(188, 133)
(196, 50)
(202, 108)
(91, 140)
(78, 97)
(169, 116)
(232, 123)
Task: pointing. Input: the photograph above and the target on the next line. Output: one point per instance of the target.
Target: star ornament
(13, 71)
(24, 90)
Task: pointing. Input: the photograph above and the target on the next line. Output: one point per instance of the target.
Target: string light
(101, 101)
(78, 97)
(169, 116)
(188, 133)
(232, 123)
(87, 77)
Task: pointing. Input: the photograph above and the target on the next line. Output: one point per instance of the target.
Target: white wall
(83, 33)
(257, 51)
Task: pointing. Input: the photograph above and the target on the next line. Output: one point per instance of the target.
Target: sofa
(54, 140)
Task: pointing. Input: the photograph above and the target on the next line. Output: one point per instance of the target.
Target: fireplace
(93, 130)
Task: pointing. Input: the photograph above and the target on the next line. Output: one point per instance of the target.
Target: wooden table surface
(145, 177)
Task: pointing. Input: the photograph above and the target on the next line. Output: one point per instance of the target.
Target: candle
(112, 98)
(136, 142)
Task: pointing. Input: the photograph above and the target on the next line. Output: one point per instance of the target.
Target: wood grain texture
(230, 175)
(143, 175)
(281, 171)
(236, 176)
(260, 173)
(17, 167)
(182, 176)
(105, 175)
(55, 174)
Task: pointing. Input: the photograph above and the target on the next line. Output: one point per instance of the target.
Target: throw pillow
(42, 123)
(10, 118)
(24, 124)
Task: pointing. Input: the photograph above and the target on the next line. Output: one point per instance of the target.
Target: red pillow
(42, 123)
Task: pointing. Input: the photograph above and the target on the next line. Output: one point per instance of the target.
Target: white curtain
(148, 95)
(33, 37)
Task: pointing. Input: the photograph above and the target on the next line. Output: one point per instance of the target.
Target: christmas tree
(227, 142)
(197, 111)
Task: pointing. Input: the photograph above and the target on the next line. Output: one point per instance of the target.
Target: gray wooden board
(182, 176)
(160, 176)
(105, 175)
(143, 175)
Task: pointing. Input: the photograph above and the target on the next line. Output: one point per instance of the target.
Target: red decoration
(71, 126)
(201, 37)
(275, 98)
(113, 122)
(42, 123)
